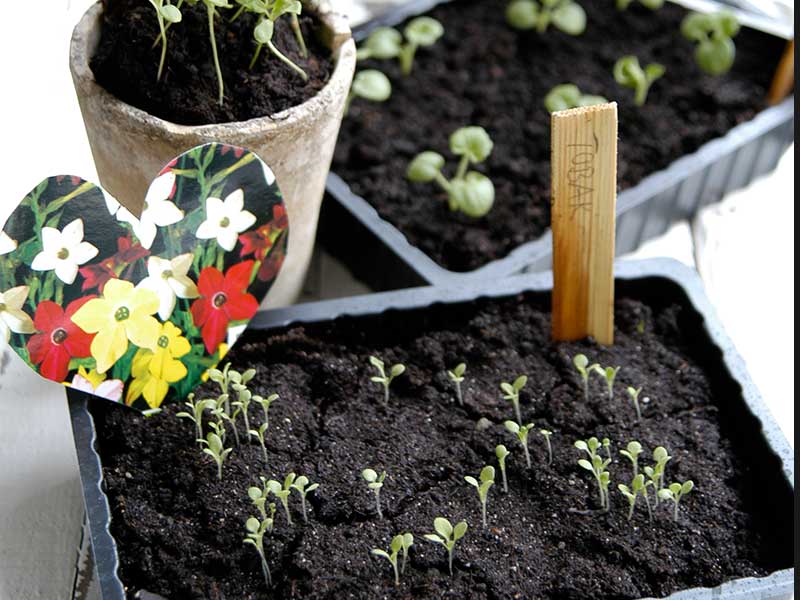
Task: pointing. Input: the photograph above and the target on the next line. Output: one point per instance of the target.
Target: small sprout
(221, 415)
(385, 42)
(631, 493)
(632, 452)
(260, 435)
(300, 484)
(565, 15)
(196, 414)
(258, 496)
(662, 457)
(255, 536)
(653, 475)
(384, 379)
(167, 14)
(675, 492)
(609, 374)
(715, 51)
(457, 376)
(211, 11)
(607, 446)
(216, 450)
(282, 492)
(582, 365)
(502, 453)
(470, 192)
(243, 403)
(375, 483)
(634, 396)
(628, 73)
(447, 536)
(521, 431)
(566, 96)
(486, 482)
(511, 393)
(399, 542)
(268, 12)
(265, 403)
(597, 467)
(651, 4)
(371, 85)
(547, 433)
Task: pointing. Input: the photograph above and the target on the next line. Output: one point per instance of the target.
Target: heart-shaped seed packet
(136, 309)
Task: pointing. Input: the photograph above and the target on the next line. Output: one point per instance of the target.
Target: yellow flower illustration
(154, 370)
(123, 313)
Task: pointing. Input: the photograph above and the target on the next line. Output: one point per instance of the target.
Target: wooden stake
(783, 81)
(584, 195)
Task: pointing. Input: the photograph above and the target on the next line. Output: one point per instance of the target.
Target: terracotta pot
(130, 146)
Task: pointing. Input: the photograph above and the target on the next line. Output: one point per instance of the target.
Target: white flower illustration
(225, 220)
(169, 279)
(159, 210)
(6, 243)
(12, 317)
(64, 251)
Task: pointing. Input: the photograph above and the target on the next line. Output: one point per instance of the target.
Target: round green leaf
(487, 473)
(398, 370)
(425, 166)
(474, 195)
(442, 527)
(372, 85)
(460, 530)
(562, 97)
(522, 14)
(171, 13)
(728, 23)
(687, 487)
(696, 26)
(501, 451)
(263, 31)
(570, 18)
(423, 31)
(471, 480)
(384, 43)
(715, 55)
(369, 475)
(472, 142)
(254, 493)
(589, 100)
(252, 525)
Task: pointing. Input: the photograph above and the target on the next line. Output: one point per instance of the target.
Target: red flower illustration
(223, 298)
(59, 339)
(270, 267)
(97, 275)
(256, 242)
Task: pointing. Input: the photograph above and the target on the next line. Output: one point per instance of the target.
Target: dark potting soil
(126, 64)
(483, 72)
(179, 530)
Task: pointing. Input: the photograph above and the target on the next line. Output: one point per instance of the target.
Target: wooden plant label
(584, 192)
(783, 81)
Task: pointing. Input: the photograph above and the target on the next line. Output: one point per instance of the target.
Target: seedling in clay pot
(375, 483)
(629, 73)
(486, 482)
(371, 85)
(470, 192)
(502, 453)
(447, 536)
(521, 431)
(715, 51)
(457, 376)
(675, 492)
(402, 542)
(268, 13)
(256, 529)
(167, 14)
(386, 42)
(565, 15)
(383, 378)
(511, 393)
(651, 4)
(568, 95)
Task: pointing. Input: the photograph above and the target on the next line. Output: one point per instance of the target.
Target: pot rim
(338, 38)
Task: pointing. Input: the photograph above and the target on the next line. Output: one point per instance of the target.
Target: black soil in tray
(483, 72)
(126, 64)
(180, 531)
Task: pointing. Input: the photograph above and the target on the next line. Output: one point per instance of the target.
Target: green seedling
(566, 96)
(607, 447)
(265, 403)
(653, 480)
(651, 4)
(260, 435)
(242, 404)
(470, 192)
(597, 467)
(675, 492)
(511, 393)
(631, 493)
(565, 15)
(632, 452)
(375, 483)
(211, 12)
(195, 414)
(715, 51)
(216, 449)
(258, 496)
(282, 492)
(486, 482)
(268, 12)
(166, 14)
(662, 457)
(609, 374)
(301, 486)
(582, 365)
(457, 376)
(386, 43)
(227, 376)
(633, 393)
(546, 434)
(447, 536)
(629, 73)
(402, 542)
(256, 529)
(221, 416)
(502, 453)
(371, 85)
(521, 431)
(384, 379)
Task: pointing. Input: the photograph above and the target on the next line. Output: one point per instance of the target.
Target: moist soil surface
(483, 72)
(126, 64)
(179, 530)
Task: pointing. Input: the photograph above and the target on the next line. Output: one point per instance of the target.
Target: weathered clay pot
(130, 146)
